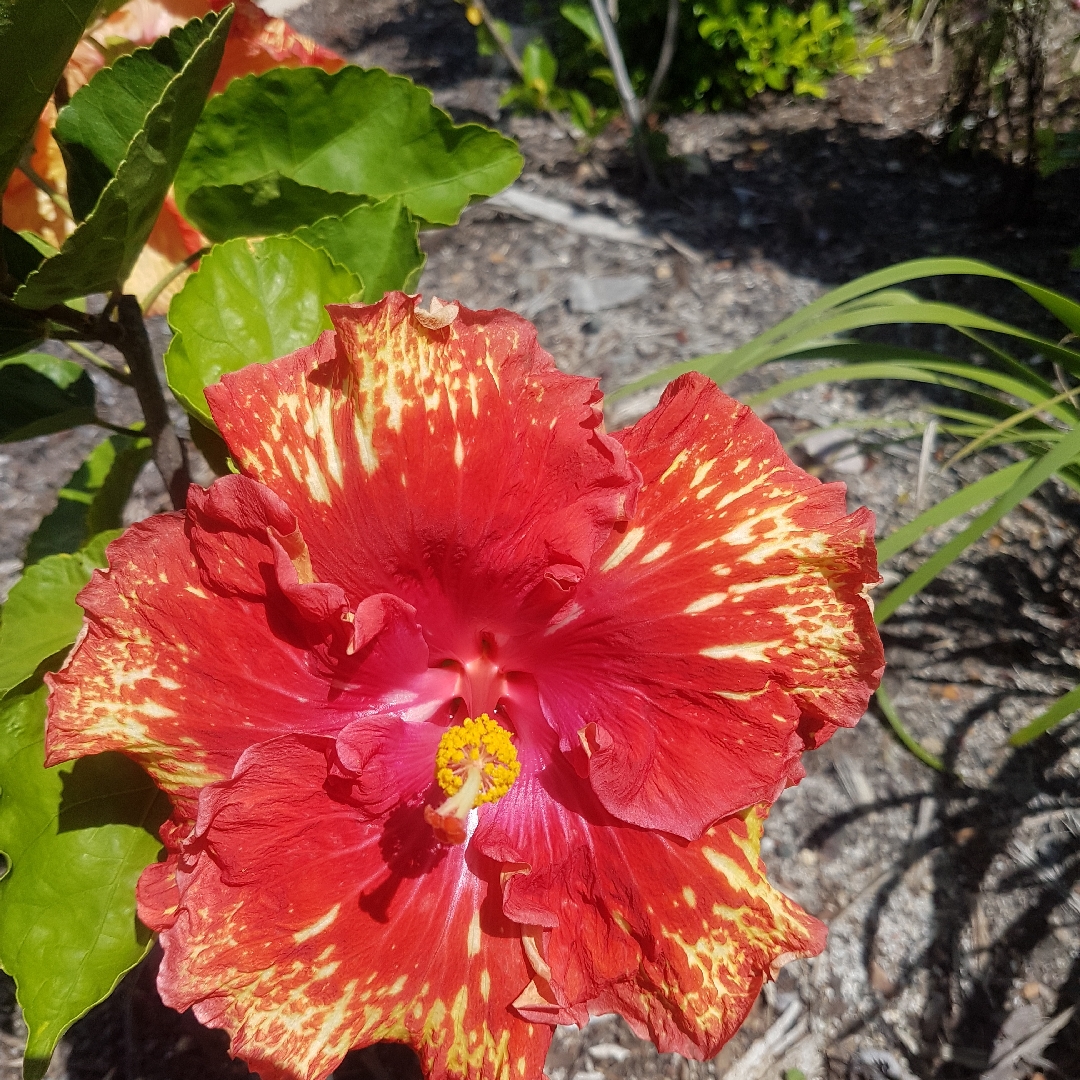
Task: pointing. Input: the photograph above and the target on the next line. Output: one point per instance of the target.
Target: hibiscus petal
(722, 632)
(246, 540)
(258, 42)
(676, 936)
(468, 475)
(176, 674)
(305, 929)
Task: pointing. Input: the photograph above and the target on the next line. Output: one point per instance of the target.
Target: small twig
(505, 47)
(924, 20)
(926, 453)
(630, 104)
(77, 322)
(171, 276)
(1002, 1067)
(170, 457)
(685, 250)
(667, 54)
(769, 1046)
(121, 375)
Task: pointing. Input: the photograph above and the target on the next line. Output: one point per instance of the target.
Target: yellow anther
(477, 750)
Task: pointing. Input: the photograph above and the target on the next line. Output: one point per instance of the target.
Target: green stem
(886, 706)
(121, 375)
(43, 185)
(170, 277)
(119, 429)
(170, 457)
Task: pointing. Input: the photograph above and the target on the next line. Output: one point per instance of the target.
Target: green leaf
(272, 204)
(93, 499)
(37, 39)
(950, 373)
(958, 503)
(96, 128)
(23, 252)
(1065, 706)
(99, 254)
(1031, 479)
(41, 617)
(872, 301)
(40, 394)
(581, 16)
(249, 303)
(76, 837)
(377, 243)
(355, 132)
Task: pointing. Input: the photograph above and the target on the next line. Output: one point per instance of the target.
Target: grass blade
(1033, 478)
(889, 712)
(961, 502)
(1065, 706)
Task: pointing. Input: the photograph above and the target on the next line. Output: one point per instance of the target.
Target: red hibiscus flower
(470, 711)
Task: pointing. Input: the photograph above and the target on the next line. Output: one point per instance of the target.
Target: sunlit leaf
(75, 838)
(272, 146)
(888, 710)
(1064, 707)
(40, 617)
(1027, 482)
(249, 303)
(96, 128)
(377, 243)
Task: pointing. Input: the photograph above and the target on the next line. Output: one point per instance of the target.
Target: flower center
(476, 763)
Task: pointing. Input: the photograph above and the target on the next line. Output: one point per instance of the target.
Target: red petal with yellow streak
(719, 634)
(305, 928)
(191, 654)
(676, 936)
(452, 466)
(172, 672)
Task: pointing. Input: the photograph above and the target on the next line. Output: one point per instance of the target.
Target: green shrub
(727, 51)
(770, 46)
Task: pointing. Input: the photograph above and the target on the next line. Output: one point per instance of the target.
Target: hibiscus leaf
(93, 500)
(355, 132)
(36, 41)
(264, 207)
(41, 617)
(99, 254)
(377, 243)
(40, 394)
(75, 838)
(249, 303)
(96, 128)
